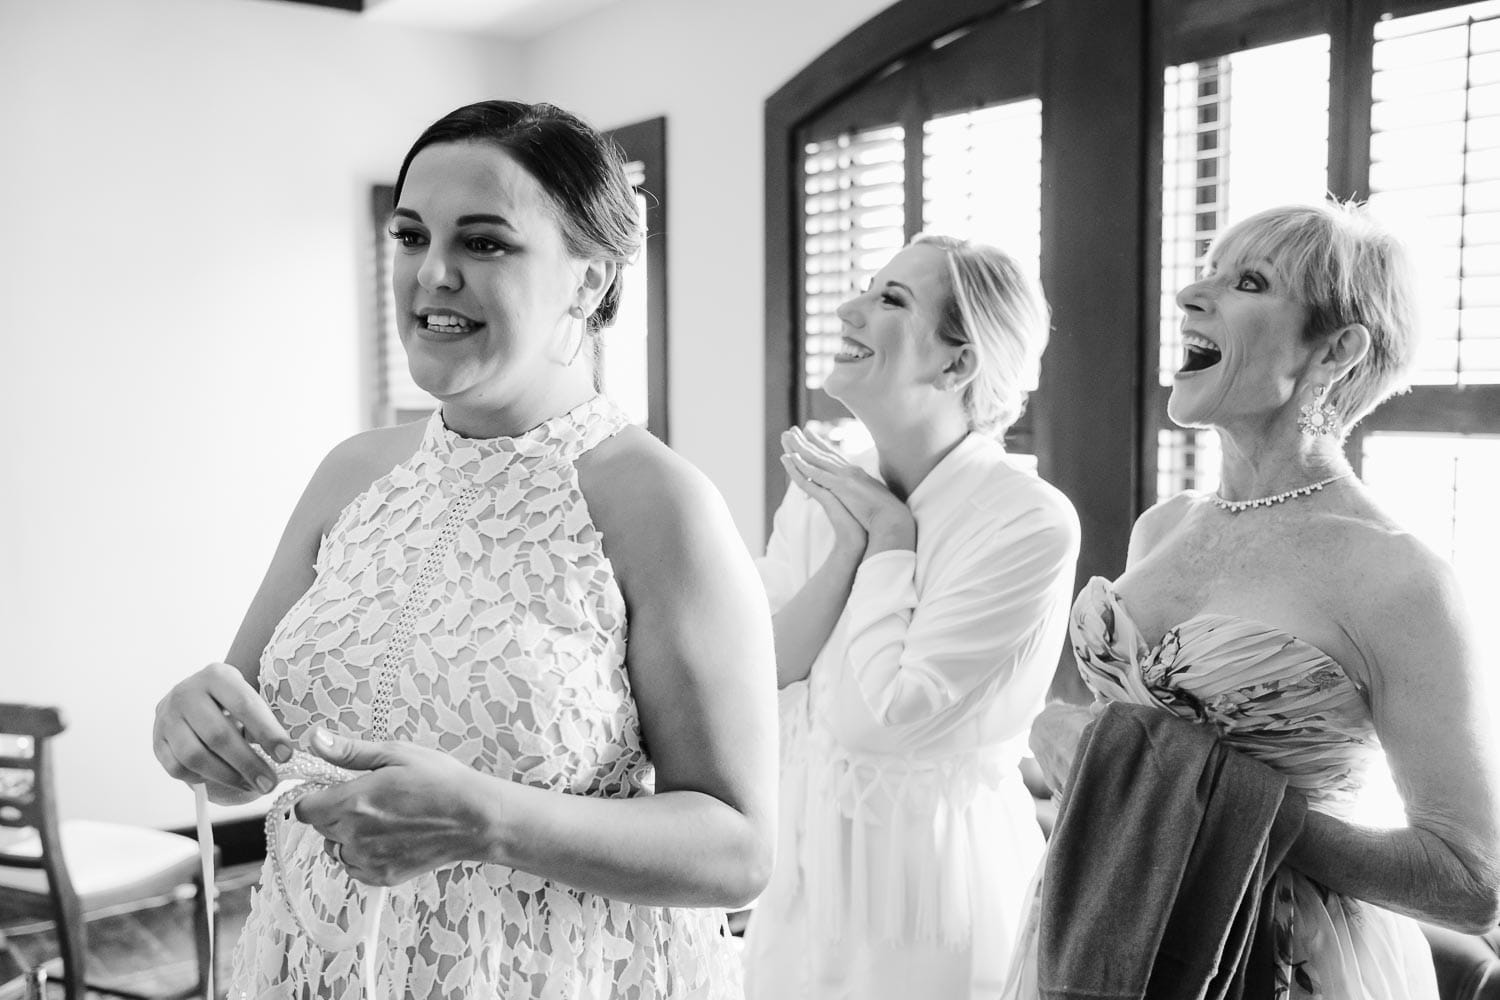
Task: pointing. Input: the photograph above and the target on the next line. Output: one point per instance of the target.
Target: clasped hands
(867, 518)
(413, 810)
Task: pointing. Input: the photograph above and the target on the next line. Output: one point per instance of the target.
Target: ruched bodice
(464, 602)
(1284, 702)
(1269, 694)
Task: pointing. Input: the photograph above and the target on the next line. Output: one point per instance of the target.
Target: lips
(851, 350)
(447, 321)
(1198, 353)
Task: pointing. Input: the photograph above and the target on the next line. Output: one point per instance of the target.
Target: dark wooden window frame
(646, 141)
(1191, 30)
(1095, 417)
(1093, 226)
(957, 77)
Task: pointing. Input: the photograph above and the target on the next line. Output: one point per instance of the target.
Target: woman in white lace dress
(920, 597)
(557, 812)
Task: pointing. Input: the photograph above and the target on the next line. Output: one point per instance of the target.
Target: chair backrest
(27, 800)
(24, 732)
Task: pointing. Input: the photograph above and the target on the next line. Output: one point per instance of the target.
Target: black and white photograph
(706, 500)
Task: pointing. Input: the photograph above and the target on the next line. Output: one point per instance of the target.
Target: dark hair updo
(581, 171)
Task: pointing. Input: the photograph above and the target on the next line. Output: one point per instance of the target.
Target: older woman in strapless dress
(1291, 614)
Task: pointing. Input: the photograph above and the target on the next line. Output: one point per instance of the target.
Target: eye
(484, 245)
(890, 299)
(1251, 281)
(408, 238)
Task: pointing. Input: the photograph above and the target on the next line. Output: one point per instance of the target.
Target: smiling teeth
(850, 351)
(1198, 353)
(446, 323)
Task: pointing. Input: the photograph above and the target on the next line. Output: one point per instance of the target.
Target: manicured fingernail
(323, 738)
(282, 753)
(265, 784)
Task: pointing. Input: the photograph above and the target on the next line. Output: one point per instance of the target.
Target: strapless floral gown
(1286, 703)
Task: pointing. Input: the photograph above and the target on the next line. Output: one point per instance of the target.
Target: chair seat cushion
(108, 863)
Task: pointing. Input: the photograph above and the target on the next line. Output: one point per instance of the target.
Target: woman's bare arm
(1431, 716)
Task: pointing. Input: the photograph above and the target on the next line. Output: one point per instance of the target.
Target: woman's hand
(849, 535)
(1054, 740)
(413, 812)
(887, 522)
(204, 730)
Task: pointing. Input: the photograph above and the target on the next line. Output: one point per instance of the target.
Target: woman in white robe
(920, 595)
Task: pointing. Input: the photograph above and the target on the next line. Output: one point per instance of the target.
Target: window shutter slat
(1221, 118)
(982, 173)
(401, 398)
(853, 212)
(1435, 175)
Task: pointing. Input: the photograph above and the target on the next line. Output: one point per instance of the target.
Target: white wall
(708, 66)
(181, 296)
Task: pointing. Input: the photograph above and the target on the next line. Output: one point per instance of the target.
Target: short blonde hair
(996, 308)
(1345, 267)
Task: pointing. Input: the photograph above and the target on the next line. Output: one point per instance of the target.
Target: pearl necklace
(1235, 506)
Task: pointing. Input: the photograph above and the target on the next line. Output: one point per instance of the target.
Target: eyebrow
(494, 220)
(463, 220)
(1259, 263)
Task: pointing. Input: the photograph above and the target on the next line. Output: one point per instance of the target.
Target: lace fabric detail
(465, 597)
(403, 636)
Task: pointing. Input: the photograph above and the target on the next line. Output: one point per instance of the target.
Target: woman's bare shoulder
(648, 500)
(1390, 564)
(353, 464)
(634, 472)
(1394, 589)
(1158, 521)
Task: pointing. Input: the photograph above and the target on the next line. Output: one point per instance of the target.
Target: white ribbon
(309, 774)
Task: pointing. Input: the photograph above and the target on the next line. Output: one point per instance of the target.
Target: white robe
(907, 838)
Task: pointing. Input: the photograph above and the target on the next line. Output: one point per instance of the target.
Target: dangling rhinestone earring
(1317, 418)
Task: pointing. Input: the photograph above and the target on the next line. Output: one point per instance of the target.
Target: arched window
(1019, 123)
(1393, 101)
(1160, 123)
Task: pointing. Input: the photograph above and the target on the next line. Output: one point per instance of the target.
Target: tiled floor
(146, 951)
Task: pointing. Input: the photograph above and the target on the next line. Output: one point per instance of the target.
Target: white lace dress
(464, 602)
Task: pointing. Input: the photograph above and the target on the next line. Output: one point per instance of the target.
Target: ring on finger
(336, 851)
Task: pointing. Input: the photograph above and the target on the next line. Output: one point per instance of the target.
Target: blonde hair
(996, 308)
(1345, 267)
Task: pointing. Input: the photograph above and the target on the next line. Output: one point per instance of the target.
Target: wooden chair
(77, 869)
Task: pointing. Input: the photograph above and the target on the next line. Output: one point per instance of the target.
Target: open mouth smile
(447, 322)
(851, 350)
(1198, 353)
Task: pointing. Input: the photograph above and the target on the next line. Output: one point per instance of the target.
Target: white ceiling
(511, 19)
